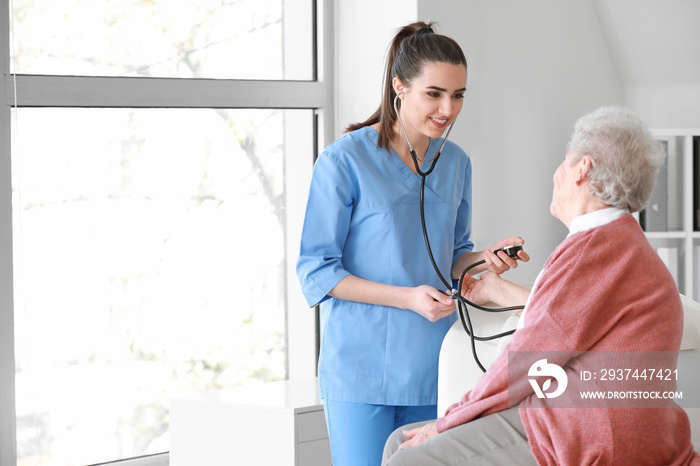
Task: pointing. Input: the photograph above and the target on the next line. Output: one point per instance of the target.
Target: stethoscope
(462, 302)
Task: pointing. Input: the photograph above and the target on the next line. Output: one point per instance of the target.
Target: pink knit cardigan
(603, 289)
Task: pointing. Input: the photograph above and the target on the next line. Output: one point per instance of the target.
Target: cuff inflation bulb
(511, 250)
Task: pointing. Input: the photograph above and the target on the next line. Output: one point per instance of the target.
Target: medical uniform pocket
(353, 347)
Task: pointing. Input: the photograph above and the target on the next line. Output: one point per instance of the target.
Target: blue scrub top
(363, 218)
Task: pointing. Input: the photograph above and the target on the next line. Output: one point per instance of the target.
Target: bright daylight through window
(150, 244)
(234, 39)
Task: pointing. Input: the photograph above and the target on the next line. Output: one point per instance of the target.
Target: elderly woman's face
(562, 194)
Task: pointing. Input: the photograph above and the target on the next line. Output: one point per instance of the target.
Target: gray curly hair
(625, 157)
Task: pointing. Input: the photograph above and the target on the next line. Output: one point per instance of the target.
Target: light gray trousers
(497, 439)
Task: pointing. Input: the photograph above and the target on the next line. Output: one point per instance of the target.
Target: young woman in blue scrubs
(363, 255)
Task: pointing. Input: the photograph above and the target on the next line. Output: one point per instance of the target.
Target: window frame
(120, 92)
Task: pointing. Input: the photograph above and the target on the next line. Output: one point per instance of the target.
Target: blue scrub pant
(359, 431)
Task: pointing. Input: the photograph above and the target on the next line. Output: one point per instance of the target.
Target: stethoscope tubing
(462, 302)
(413, 152)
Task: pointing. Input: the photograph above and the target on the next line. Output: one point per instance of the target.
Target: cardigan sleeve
(505, 383)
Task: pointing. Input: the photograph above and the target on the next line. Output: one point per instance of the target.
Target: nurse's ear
(399, 87)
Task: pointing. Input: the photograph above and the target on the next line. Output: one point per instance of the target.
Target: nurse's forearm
(423, 299)
(498, 263)
(467, 259)
(352, 288)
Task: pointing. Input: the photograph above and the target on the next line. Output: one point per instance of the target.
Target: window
(160, 159)
(234, 39)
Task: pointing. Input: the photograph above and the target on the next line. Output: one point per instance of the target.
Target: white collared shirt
(595, 219)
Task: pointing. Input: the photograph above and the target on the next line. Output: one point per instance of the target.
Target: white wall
(657, 45)
(666, 106)
(533, 68)
(364, 29)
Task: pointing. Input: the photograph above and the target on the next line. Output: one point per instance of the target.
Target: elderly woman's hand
(492, 288)
(419, 435)
(482, 290)
(474, 290)
(502, 262)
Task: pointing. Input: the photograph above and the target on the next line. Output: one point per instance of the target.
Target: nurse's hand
(418, 435)
(430, 303)
(501, 262)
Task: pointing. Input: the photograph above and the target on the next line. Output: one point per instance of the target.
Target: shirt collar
(595, 219)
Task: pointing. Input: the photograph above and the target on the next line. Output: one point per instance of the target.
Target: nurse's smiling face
(433, 100)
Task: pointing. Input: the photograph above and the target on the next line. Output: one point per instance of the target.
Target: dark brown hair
(413, 46)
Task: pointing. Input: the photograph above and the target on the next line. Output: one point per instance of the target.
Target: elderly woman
(603, 290)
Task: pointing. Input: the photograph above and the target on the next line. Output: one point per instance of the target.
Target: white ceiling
(655, 42)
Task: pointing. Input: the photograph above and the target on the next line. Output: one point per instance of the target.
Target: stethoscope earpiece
(410, 147)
